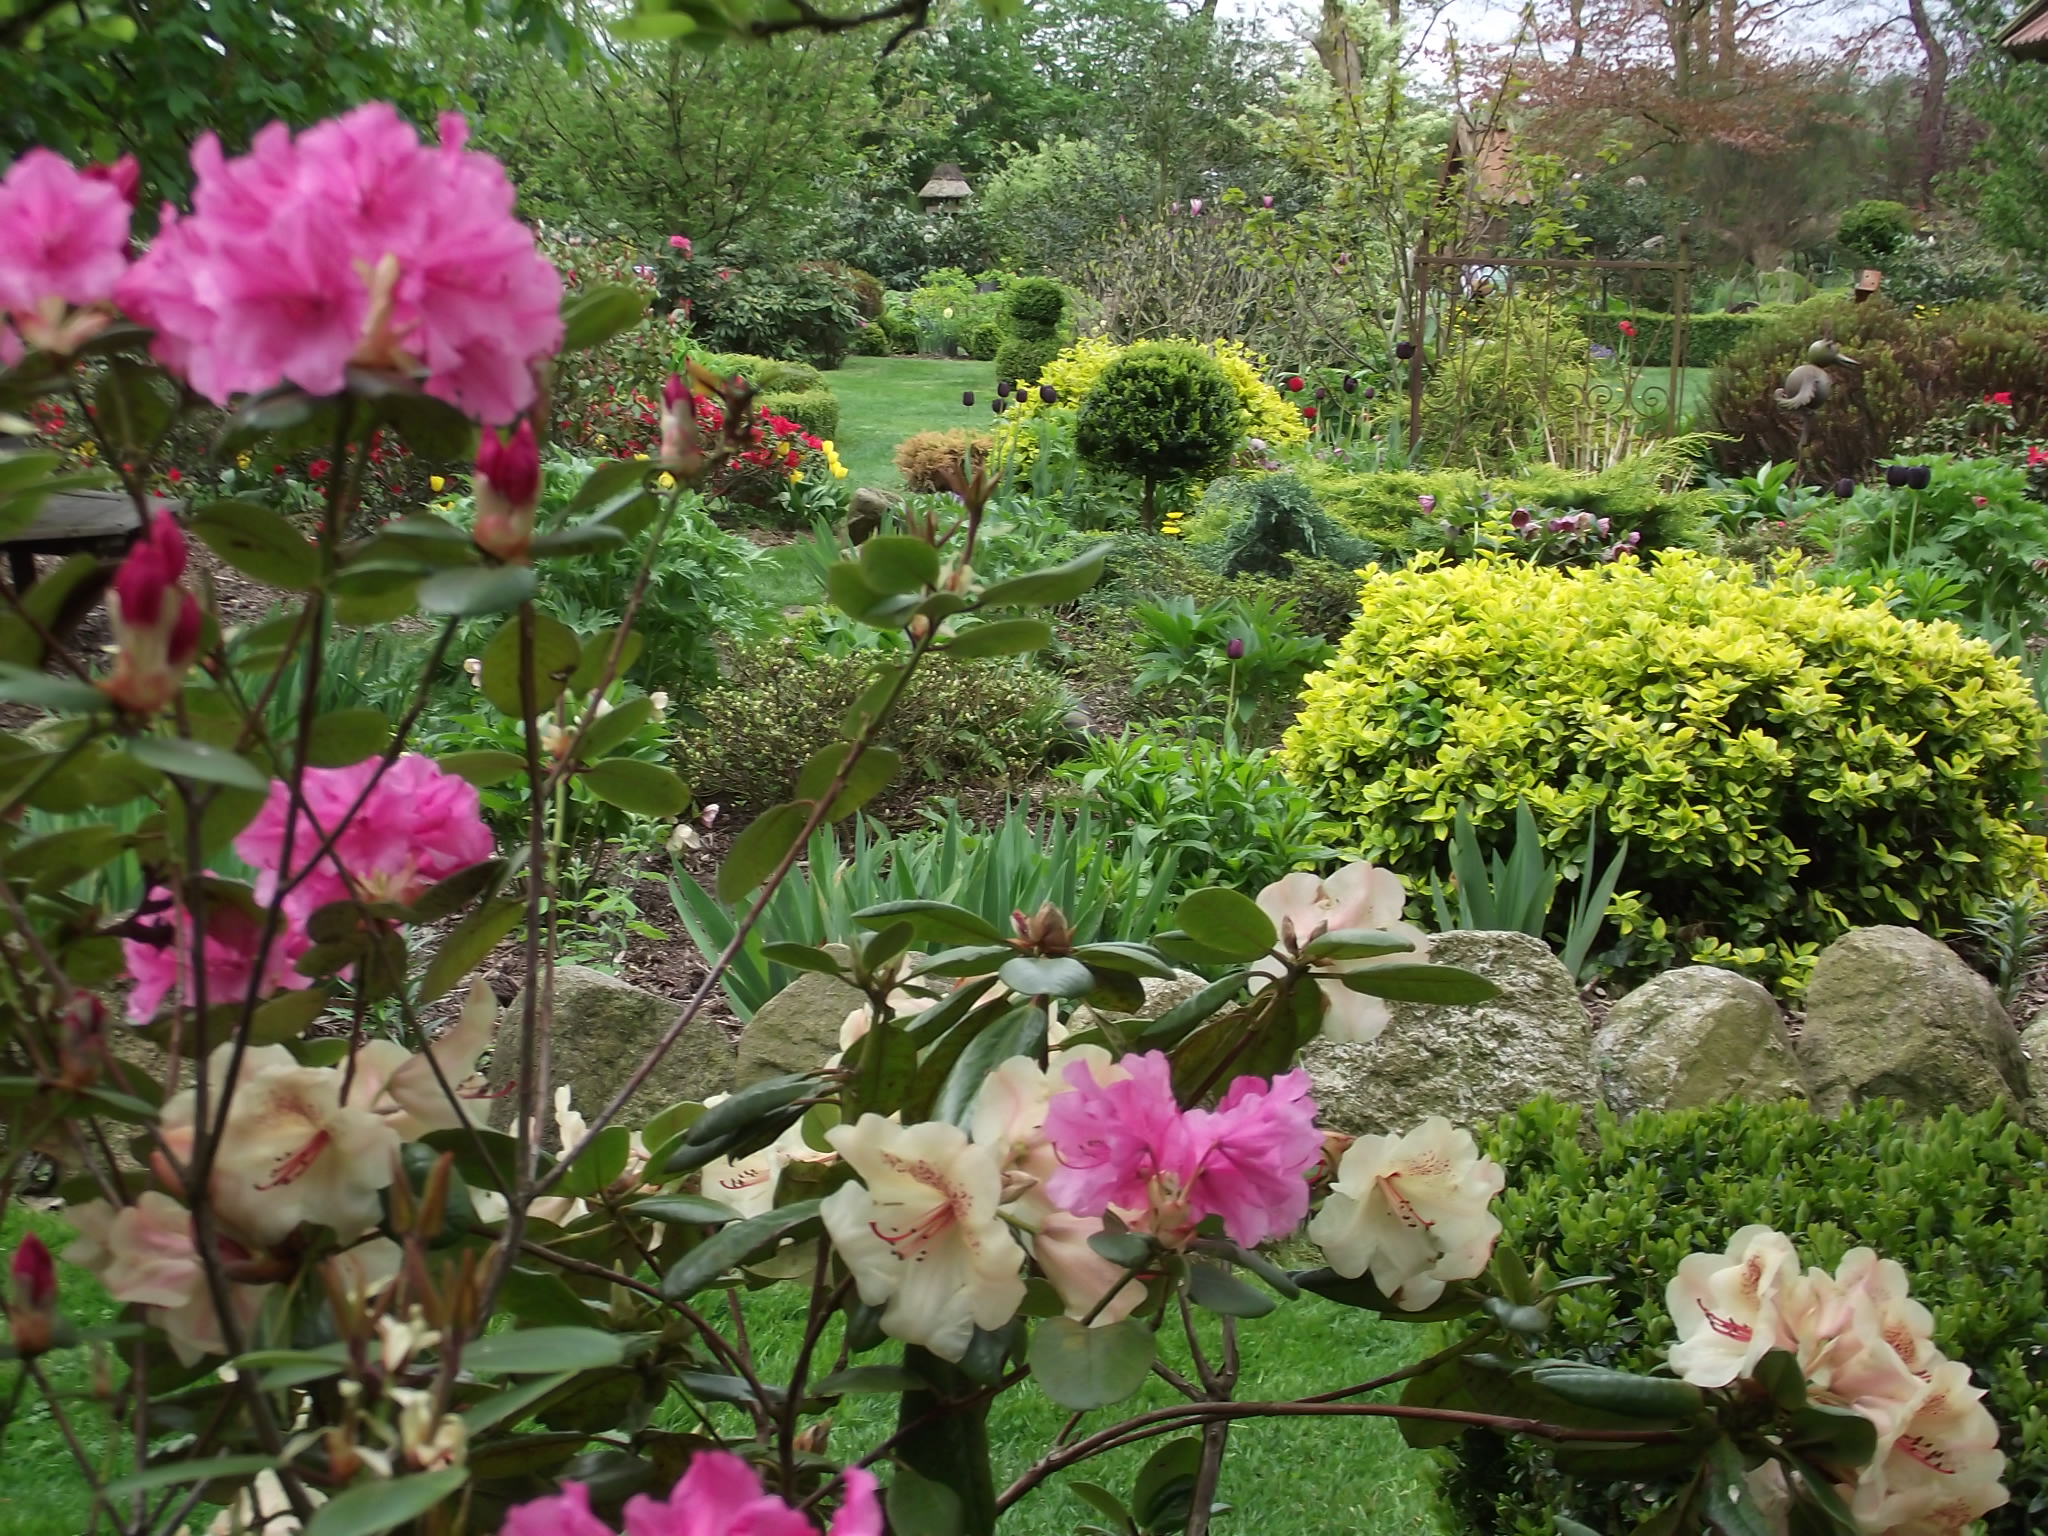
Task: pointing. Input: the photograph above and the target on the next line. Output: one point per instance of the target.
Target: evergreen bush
(1874, 228)
(1280, 523)
(1961, 1201)
(1164, 411)
(1023, 361)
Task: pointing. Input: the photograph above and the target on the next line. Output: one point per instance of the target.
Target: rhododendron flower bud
(32, 1307)
(155, 621)
(681, 445)
(1413, 1210)
(82, 1041)
(507, 486)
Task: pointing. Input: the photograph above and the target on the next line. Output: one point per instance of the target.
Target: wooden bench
(96, 522)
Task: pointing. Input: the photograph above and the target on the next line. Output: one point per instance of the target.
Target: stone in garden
(796, 1029)
(2034, 1059)
(865, 512)
(1695, 1036)
(1893, 1014)
(1472, 1063)
(603, 1030)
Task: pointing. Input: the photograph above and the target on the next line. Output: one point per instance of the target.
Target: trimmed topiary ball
(1164, 411)
(1034, 307)
(1022, 360)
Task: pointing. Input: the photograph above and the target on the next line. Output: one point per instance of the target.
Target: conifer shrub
(1961, 1201)
(1162, 412)
(1785, 762)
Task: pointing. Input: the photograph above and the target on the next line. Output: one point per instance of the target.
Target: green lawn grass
(882, 400)
(1283, 1477)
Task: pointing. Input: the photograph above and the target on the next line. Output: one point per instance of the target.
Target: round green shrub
(1020, 360)
(984, 339)
(1875, 227)
(1785, 763)
(871, 340)
(900, 330)
(1162, 411)
(1960, 1201)
(1034, 307)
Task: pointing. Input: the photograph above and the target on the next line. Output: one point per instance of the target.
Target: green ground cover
(41, 1493)
(882, 400)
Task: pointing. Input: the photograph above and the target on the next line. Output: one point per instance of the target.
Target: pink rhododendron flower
(63, 243)
(718, 1496)
(417, 825)
(1129, 1145)
(353, 243)
(32, 1304)
(155, 621)
(161, 963)
(680, 243)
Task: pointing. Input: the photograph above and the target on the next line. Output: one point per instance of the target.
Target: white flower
(144, 1253)
(747, 1184)
(1943, 1471)
(1412, 1209)
(474, 666)
(263, 1508)
(398, 1340)
(660, 702)
(1356, 896)
(685, 836)
(922, 1233)
(292, 1150)
(427, 1440)
(1726, 1306)
(404, 1089)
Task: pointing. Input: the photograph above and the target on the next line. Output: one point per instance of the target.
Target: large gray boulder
(1893, 1014)
(603, 1030)
(1470, 1064)
(1695, 1036)
(2034, 1060)
(796, 1029)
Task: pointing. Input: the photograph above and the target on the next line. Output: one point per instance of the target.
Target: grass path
(882, 400)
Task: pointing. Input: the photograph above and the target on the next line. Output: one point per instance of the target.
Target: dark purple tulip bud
(1898, 476)
(1404, 350)
(1520, 518)
(1351, 385)
(999, 405)
(1369, 392)
(1234, 650)
(1048, 395)
(1844, 488)
(1004, 386)
(1919, 477)
(1322, 393)
(967, 397)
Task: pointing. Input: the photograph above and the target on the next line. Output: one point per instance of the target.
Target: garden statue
(1808, 387)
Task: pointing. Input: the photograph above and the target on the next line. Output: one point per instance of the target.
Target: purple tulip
(1351, 385)
(967, 397)
(1369, 392)
(1426, 501)
(1520, 518)
(1048, 395)
(1844, 488)
(1898, 476)
(1322, 393)
(999, 405)
(1004, 386)
(1404, 350)
(1234, 650)
(1919, 476)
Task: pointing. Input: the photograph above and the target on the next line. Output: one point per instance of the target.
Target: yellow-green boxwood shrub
(1960, 1201)
(1785, 762)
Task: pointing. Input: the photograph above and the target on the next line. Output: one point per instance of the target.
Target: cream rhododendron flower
(144, 1253)
(403, 1088)
(1726, 1306)
(1413, 1209)
(1356, 896)
(1009, 1120)
(264, 1507)
(922, 1234)
(1942, 1470)
(747, 1184)
(293, 1151)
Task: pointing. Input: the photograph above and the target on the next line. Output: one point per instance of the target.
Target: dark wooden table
(97, 522)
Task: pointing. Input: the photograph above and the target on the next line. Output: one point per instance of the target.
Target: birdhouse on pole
(946, 191)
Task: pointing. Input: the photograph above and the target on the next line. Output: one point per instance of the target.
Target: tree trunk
(1338, 50)
(1933, 126)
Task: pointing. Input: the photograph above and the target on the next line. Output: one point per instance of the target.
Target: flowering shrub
(1590, 692)
(351, 1299)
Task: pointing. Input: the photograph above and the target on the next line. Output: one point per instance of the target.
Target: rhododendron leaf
(895, 562)
(929, 1025)
(1528, 1321)
(285, 1017)
(486, 1159)
(804, 957)
(196, 761)
(129, 408)
(1778, 1373)
(1056, 584)
(171, 1474)
(597, 314)
(1512, 1276)
(868, 707)
(683, 1211)
(56, 604)
(120, 1106)
(733, 1246)
(1570, 1527)
(1362, 1293)
(392, 596)
(713, 1388)
(590, 537)
(59, 695)
(1134, 958)
(418, 536)
(999, 637)
(967, 960)
(467, 944)
(883, 946)
(1251, 1259)
(500, 1406)
(274, 410)
(1105, 1501)
(847, 585)
(281, 1368)
(941, 606)
(1632, 1463)
(556, 655)
(756, 853)
(371, 1508)
(1213, 1286)
(1593, 1386)
(1356, 944)
(1057, 976)
(431, 427)
(1126, 1249)
(52, 862)
(448, 897)
(475, 590)
(485, 766)
(875, 767)
(1175, 1023)
(1160, 1495)
(600, 1163)
(1017, 1032)
(610, 486)
(1226, 923)
(920, 1506)
(860, 1379)
(645, 789)
(1838, 1436)
(596, 652)
(259, 543)
(740, 1110)
(931, 917)
(1085, 1368)
(343, 737)
(1815, 1492)
(541, 1351)
(1443, 1387)
(1726, 1503)
(1416, 981)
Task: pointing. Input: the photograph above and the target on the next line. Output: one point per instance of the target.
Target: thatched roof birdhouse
(2027, 37)
(947, 188)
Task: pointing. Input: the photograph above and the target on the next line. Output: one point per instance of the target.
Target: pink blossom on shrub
(63, 242)
(353, 243)
(416, 826)
(161, 965)
(1128, 1145)
(718, 1496)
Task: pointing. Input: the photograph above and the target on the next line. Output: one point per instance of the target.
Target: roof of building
(2027, 37)
(946, 181)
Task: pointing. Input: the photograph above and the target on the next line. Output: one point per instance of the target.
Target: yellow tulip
(838, 471)
(639, 455)
(434, 482)
(795, 475)
(665, 480)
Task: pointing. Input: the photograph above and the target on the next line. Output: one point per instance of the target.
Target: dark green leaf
(1056, 977)
(756, 852)
(875, 767)
(195, 760)
(343, 737)
(600, 1163)
(610, 485)
(614, 728)
(541, 1351)
(513, 1401)
(1105, 1502)
(474, 590)
(1137, 959)
(465, 947)
(999, 637)
(1164, 1484)
(1056, 584)
(1127, 1250)
(1227, 924)
(447, 897)
(373, 1507)
(1215, 1287)
(1415, 981)
(734, 1245)
(683, 1211)
(1644, 1397)
(586, 538)
(59, 695)
(597, 651)
(129, 408)
(645, 789)
(1184, 1016)
(968, 960)
(597, 314)
(1085, 1368)
(170, 1474)
(869, 1378)
(432, 428)
(742, 1109)
(1726, 1502)
(920, 1506)
(894, 562)
(281, 1368)
(1016, 1033)
(556, 652)
(1361, 1292)
(260, 544)
(1356, 944)
(931, 917)
(483, 767)
(803, 957)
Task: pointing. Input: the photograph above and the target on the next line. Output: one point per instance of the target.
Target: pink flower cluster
(161, 962)
(63, 243)
(718, 1496)
(353, 243)
(1128, 1145)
